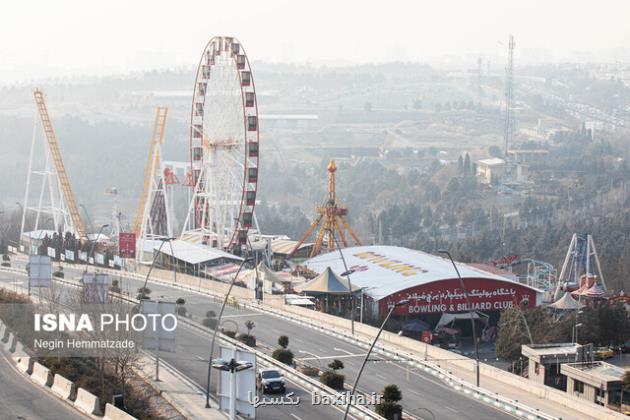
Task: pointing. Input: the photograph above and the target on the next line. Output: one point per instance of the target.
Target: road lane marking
(343, 350)
(452, 409)
(295, 417)
(414, 391)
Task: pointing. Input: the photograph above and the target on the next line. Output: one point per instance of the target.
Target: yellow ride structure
(331, 220)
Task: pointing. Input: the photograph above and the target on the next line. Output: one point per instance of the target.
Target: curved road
(24, 400)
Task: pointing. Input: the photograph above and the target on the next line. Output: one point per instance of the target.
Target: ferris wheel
(224, 148)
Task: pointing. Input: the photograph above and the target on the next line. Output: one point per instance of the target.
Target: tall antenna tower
(479, 76)
(55, 194)
(331, 220)
(152, 220)
(509, 96)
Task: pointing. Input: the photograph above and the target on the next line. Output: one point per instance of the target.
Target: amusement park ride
(224, 148)
(222, 174)
(331, 218)
(59, 204)
(581, 272)
(152, 219)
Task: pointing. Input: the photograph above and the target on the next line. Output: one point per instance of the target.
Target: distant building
(545, 361)
(528, 156)
(389, 274)
(490, 170)
(597, 382)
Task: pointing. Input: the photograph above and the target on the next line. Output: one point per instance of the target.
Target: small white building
(490, 169)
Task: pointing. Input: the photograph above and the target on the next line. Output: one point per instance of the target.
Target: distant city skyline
(70, 37)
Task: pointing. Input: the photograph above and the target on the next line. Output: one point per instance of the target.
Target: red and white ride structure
(224, 148)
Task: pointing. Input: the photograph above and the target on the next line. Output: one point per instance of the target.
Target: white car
(270, 380)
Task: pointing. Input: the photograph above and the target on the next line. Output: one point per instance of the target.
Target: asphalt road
(22, 399)
(423, 395)
(190, 359)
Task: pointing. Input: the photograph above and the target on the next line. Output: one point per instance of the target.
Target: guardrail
(359, 411)
(502, 403)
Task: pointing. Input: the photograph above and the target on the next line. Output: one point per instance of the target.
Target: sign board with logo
(69, 255)
(39, 271)
(100, 258)
(52, 252)
(245, 382)
(127, 245)
(118, 261)
(159, 339)
(83, 256)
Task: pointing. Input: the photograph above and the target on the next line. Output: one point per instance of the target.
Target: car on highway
(270, 380)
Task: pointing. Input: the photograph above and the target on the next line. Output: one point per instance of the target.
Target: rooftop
(491, 162)
(383, 270)
(193, 253)
(550, 349)
(595, 373)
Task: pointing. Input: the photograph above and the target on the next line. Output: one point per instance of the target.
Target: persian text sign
(127, 245)
(446, 296)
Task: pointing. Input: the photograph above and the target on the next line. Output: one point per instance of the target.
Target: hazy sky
(67, 37)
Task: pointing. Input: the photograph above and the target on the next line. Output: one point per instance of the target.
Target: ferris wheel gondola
(224, 148)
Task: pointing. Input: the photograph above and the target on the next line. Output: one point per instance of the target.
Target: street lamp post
(216, 328)
(367, 355)
(39, 239)
(472, 320)
(346, 274)
(155, 255)
(233, 366)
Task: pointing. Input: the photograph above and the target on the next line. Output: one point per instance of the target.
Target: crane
(55, 153)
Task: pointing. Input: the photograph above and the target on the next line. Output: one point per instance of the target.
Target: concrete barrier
(42, 375)
(10, 344)
(63, 387)
(19, 350)
(25, 365)
(114, 413)
(87, 402)
(3, 331)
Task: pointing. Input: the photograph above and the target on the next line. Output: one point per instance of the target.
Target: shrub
(309, 370)
(5, 257)
(6, 264)
(180, 301)
(143, 293)
(247, 339)
(250, 326)
(390, 410)
(333, 379)
(209, 323)
(392, 393)
(336, 364)
(389, 407)
(181, 311)
(283, 355)
(58, 274)
(283, 341)
(229, 333)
